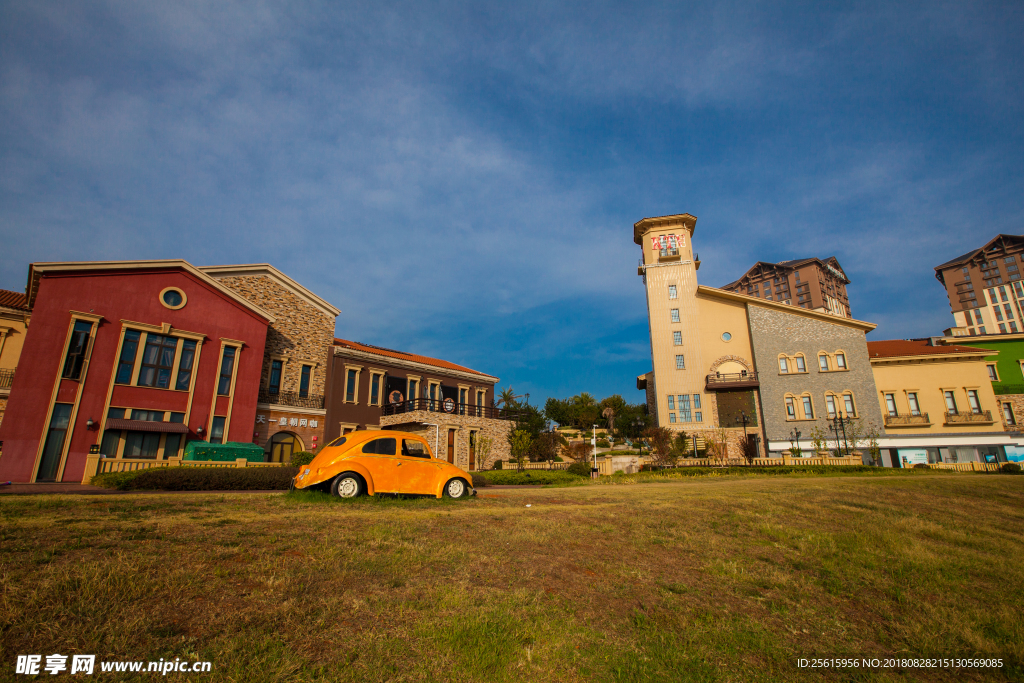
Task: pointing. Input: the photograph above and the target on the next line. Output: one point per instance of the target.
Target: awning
(146, 426)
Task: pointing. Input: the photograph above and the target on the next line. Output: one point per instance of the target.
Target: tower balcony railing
(6, 379)
(448, 406)
(291, 398)
(981, 417)
(731, 380)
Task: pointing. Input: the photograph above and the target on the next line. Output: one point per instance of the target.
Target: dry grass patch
(706, 579)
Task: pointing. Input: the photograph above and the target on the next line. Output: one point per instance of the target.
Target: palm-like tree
(507, 398)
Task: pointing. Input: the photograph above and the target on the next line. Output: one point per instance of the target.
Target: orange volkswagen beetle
(374, 461)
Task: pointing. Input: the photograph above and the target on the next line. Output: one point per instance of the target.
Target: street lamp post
(593, 442)
(838, 427)
(794, 440)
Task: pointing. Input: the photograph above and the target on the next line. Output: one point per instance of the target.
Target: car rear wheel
(347, 485)
(455, 488)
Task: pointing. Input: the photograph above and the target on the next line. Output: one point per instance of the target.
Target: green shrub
(211, 479)
(115, 480)
(535, 477)
(479, 480)
(579, 469)
(497, 465)
(1010, 468)
(558, 458)
(603, 443)
(921, 466)
(302, 458)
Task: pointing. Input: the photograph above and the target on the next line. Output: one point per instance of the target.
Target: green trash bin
(227, 452)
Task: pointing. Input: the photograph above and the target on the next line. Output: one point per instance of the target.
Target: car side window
(380, 446)
(414, 449)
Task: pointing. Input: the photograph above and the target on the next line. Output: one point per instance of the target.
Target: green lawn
(708, 578)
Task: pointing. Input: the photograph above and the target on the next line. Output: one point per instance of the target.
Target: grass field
(728, 578)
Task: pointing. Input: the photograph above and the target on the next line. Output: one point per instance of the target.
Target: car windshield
(414, 449)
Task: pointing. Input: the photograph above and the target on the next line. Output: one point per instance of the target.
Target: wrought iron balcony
(907, 420)
(735, 380)
(983, 417)
(291, 398)
(450, 407)
(6, 379)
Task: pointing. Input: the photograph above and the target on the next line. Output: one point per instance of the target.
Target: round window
(172, 298)
(726, 336)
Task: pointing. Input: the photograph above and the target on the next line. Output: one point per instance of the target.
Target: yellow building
(14, 319)
(937, 402)
(695, 333)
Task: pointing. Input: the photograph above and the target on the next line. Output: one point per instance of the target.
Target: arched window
(841, 360)
(800, 362)
(831, 405)
(823, 365)
(808, 407)
(783, 364)
(849, 404)
(790, 407)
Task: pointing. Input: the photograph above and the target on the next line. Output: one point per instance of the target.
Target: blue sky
(462, 179)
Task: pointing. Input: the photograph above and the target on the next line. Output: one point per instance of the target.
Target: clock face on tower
(396, 396)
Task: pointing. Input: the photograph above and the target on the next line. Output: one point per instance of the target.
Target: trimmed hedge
(536, 477)
(200, 479)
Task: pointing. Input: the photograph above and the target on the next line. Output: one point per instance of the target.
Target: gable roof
(905, 348)
(267, 270)
(964, 258)
(36, 271)
(411, 357)
(793, 264)
(15, 300)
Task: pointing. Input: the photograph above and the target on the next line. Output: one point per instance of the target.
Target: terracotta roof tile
(402, 355)
(14, 300)
(895, 348)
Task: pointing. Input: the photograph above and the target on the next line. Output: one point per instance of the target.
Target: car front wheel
(455, 488)
(347, 485)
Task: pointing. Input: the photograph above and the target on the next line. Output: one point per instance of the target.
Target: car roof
(368, 434)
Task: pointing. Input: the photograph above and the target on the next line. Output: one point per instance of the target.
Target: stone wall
(775, 332)
(1016, 402)
(301, 333)
(417, 422)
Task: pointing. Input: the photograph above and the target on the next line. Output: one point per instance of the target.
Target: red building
(133, 357)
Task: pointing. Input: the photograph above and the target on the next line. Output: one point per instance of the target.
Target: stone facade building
(811, 367)
(450, 405)
(291, 408)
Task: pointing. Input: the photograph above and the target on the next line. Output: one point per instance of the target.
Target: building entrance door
(472, 451)
(451, 446)
(282, 445)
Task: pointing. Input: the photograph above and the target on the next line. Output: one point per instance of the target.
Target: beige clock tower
(669, 268)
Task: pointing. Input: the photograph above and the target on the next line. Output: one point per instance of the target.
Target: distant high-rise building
(811, 283)
(984, 288)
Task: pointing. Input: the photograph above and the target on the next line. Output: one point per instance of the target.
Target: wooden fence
(97, 464)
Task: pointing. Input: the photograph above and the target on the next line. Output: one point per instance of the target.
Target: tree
(681, 444)
(507, 398)
(718, 445)
(749, 448)
(628, 418)
(532, 420)
(579, 451)
(558, 411)
(660, 440)
(546, 446)
(519, 440)
(611, 408)
(483, 450)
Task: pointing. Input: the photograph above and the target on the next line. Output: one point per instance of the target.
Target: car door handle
(399, 465)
